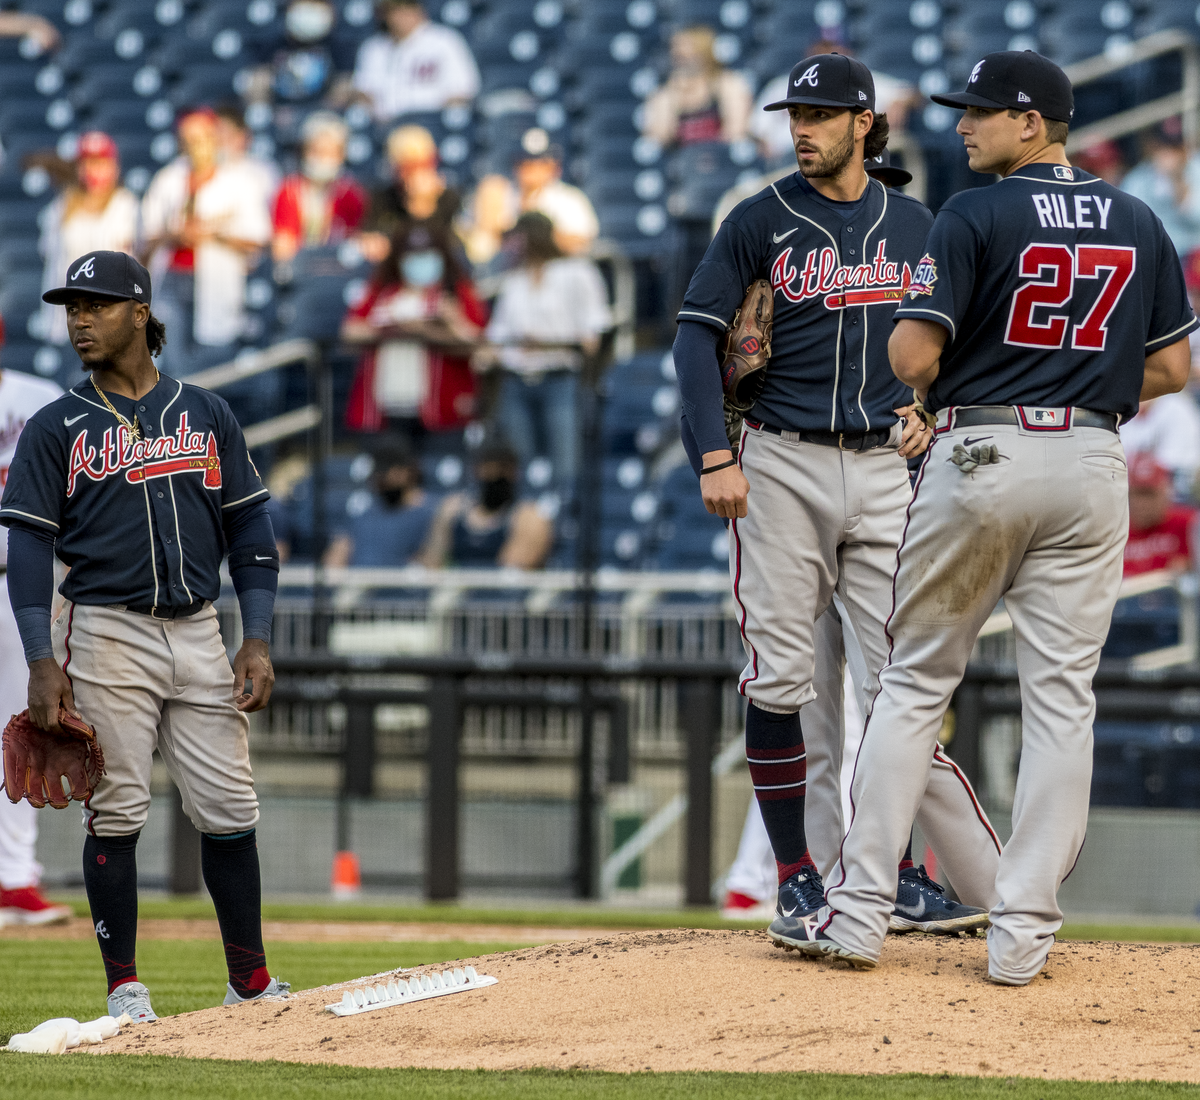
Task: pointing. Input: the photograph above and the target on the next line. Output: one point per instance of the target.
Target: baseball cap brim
(891, 177)
(796, 101)
(60, 296)
(962, 100)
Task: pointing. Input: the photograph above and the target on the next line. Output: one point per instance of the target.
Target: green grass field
(45, 978)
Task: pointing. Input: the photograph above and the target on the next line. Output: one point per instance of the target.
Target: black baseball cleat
(921, 906)
(800, 897)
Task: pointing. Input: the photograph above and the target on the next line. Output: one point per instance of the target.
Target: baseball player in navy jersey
(138, 484)
(1043, 308)
(817, 493)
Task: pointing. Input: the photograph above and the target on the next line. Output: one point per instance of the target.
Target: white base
(420, 988)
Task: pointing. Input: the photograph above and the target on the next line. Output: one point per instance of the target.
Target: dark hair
(394, 451)
(495, 450)
(537, 232)
(231, 111)
(156, 335)
(877, 137)
(417, 237)
(1056, 131)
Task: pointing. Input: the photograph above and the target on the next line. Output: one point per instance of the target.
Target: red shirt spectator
(1160, 533)
(315, 215)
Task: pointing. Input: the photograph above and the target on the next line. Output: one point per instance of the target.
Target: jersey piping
(28, 515)
(706, 316)
(1178, 332)
(866, 312)
(932, 312)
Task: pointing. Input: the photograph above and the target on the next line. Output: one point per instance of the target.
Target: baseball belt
(976, 416)
(162, 612)
(844, 441)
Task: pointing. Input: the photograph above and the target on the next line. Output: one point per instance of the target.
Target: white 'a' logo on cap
(809, 76)
(975, 72)
(85, 268)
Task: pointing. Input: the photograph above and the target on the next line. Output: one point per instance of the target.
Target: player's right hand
(48, 686)
(724, 491)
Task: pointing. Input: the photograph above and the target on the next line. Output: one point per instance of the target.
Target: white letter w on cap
(809, 76)
(85, 268)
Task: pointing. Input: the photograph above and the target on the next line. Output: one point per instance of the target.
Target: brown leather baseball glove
(745, 356)
(37, 762)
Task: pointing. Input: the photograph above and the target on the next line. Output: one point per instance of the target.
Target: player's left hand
(253, 663)
(916, 436)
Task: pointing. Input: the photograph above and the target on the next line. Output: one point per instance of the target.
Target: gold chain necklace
(134, 429)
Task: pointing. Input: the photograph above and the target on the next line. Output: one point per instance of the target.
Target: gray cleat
(133, 999)
(276, 991)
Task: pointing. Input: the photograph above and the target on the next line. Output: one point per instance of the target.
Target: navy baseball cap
(889, 174)
(106, 275)
(1019, 79)
(829, 80)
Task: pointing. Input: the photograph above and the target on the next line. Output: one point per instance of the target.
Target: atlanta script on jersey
(138, 521)
(838, 270)
(1078, 280)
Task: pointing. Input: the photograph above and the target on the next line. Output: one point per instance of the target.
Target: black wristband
(718, 466)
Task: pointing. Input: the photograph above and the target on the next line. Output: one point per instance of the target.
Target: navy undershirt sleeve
(254, 567)
(699, 376)
(31, 587)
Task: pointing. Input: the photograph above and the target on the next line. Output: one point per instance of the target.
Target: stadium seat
(204, 84)
(115, 81)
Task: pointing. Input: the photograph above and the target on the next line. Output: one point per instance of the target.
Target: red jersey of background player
(1160, 533)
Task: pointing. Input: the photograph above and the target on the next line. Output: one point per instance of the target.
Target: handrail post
(699, 718)
(441, 790)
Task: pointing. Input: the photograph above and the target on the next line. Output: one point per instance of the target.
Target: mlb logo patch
(1038, 419)
(1063, 173)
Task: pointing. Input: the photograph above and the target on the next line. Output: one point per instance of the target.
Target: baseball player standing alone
(1045, 306)
(817, 493)
(138, 483)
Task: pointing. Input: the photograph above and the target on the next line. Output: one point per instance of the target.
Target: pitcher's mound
(701, 1000)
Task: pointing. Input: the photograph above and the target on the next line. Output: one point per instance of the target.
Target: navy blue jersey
(837, 280)
(138, 523)
(1054, 287)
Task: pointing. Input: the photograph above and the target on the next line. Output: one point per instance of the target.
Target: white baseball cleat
(133, 999)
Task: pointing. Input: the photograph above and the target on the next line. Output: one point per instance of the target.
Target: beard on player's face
(832, 161)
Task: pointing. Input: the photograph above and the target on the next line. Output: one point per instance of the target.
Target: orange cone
(347, 877)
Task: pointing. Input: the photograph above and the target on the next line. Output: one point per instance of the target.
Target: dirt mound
(693, 1000)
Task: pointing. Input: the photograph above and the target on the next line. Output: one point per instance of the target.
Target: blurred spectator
(419, 320)
(494, 528)
(1167, 429)
(1161, 534)
(539, 186)
(550, 313)
(321, 204)
(392, 531)
(893, 97)
(234, 153)
(1103, 160)
(203, 224)
(417, 192)
(701, 99)
(1168, 181)
(94, 212)
(303, 70)
(19, 24)
(415, 65)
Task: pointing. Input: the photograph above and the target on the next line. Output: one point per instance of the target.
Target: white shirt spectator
(113, 229)
(429, 68)
(566, 305)
(1168, 428)
(569, 209)
(237, 209)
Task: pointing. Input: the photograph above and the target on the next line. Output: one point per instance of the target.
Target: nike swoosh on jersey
(777, 237)
(68, 423)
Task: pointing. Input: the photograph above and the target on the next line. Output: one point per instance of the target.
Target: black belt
(975, 416)
(162, 612)
(844, 441)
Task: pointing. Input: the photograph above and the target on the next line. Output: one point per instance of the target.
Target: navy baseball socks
(110, 879)
(230, 867)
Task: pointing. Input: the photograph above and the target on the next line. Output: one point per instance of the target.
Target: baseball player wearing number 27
(138, 483)
(816, 496)
(1045, 307)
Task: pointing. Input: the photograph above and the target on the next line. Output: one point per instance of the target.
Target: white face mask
(321, 169)
(307, 21)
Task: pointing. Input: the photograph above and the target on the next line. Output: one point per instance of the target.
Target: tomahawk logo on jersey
(838, 270)
(1060, 293)
(133, 518)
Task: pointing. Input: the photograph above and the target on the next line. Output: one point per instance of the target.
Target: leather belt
(162, 612)
(973, 416)
(844, 441)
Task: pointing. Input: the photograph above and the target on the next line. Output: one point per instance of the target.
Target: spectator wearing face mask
(93, 213)
(417, 192)
(550, 313)
(391, 532)
(491, 527)
(419, 321)
(415, 65)
(321, 204)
